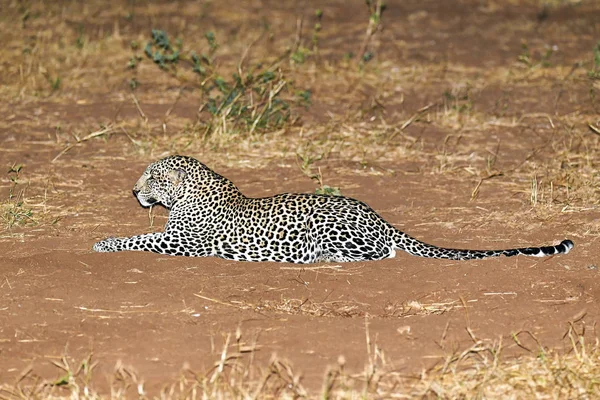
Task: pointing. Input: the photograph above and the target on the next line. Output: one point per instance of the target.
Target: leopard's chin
(147, 202)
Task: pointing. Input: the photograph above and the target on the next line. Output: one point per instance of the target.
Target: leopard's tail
(415, 247)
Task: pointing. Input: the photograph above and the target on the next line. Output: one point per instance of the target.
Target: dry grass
(339, 308)
(19, 209)
(478, 371)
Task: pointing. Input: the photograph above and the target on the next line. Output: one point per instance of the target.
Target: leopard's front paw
(108, 245)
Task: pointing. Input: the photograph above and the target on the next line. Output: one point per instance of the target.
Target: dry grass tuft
(347, 309)
(339, 308)
(26, 204)
(413, 307)
(480, 370)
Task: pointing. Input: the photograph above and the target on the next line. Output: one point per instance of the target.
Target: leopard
(209, 216)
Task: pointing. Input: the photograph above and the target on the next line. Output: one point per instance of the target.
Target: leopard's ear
(176, 176)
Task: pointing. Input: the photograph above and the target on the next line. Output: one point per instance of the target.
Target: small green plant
(14, 211)
(300, 55)
(16, 168)
(212, 42)
(306, 161)
(459, 102)
(133, 83)
(203, 64)
(594, 73)
(232, 100)
(251, 101)
(55, 83)
(132, 65)
(525, 56)
(159, 49)
(527, 59)
(316, 29)
(305, 97)
(305, 165)
(328, 190)
(133, 62)
(376, 9)
(368, 56)
(80, 41)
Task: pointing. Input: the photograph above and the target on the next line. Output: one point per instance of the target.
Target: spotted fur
(209, 216)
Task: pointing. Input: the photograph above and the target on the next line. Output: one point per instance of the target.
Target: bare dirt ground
(473, 126)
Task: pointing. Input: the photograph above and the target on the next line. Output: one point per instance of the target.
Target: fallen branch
(103, 131)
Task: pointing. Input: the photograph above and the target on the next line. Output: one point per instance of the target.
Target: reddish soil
(158, 313)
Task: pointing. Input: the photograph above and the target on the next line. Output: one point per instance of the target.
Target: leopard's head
(163, 181)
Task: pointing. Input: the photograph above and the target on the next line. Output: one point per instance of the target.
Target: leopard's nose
(135, 192)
